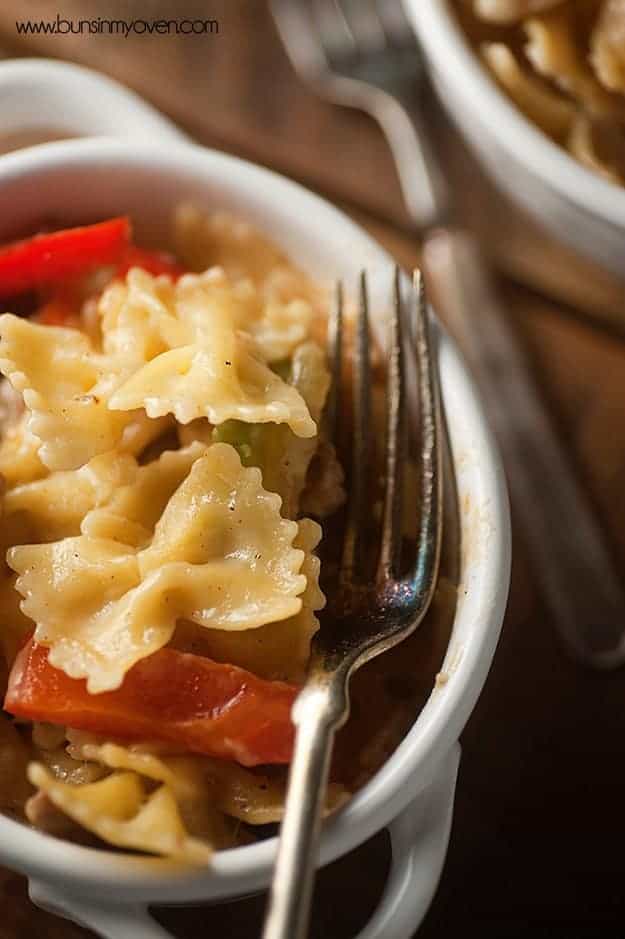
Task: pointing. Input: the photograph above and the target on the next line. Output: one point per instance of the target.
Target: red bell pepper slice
(52, 258)
(177, 697)
(154, 262)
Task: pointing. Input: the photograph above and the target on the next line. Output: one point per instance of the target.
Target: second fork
(363, 53)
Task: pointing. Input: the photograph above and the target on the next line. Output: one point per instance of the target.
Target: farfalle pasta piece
(119, 810)
(134, 507)
(221, 556)
(66, 386)
(557, 50)
(138, 319)
(52, 508)
(166, 349)
(277, 326)
(552, 112)
(251, 797)
(192, 382)
(280, 327)
(62, 504)
(232, 789)
(510, 11)
(185, 776)
(277, 651)
(77, 592)
(223, 536)
(247, 795)
(210, 369)
(608, 45)
(180, 773)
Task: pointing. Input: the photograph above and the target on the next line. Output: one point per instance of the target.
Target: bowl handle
(419, 838)
(110, 922)
(43, 99)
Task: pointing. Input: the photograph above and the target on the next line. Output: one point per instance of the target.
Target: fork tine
(335, 346)
(431, 523)
(297, 30)
(353, 553)
(395, 23)
(390, 550)
(364, 24)
(334, 33)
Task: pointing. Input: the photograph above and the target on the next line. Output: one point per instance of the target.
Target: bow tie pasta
(198, 794)
(166, 349)
(209, 367)
(122, 812)
(65, 386)
(562, 62)
(220, 555)
(151, 314)
(277, 650)
(159, 588)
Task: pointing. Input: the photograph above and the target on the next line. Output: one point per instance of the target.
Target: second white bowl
(575, 205)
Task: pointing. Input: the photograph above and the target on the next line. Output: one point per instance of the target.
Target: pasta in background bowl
(412, 791)
(558, 151)
(562, 62)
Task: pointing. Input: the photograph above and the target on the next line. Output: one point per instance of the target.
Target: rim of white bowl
(91, 871)
(449, 49)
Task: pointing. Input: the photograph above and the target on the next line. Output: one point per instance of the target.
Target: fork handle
(569, 550)
(291, 889)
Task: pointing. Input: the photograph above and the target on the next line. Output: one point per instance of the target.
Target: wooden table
(536, 849)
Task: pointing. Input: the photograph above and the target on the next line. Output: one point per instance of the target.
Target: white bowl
(81, 180)
(575, 205)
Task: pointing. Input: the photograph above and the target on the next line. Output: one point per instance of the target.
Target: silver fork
(365, 617)
(363, 53)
